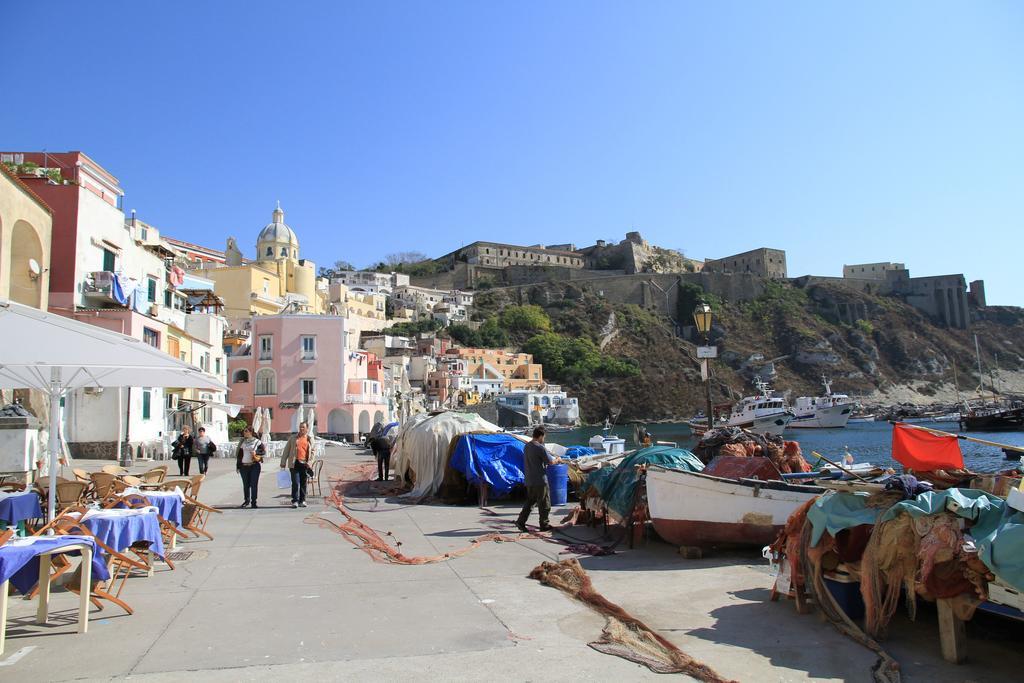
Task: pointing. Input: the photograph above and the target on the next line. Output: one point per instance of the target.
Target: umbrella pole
(55, 390)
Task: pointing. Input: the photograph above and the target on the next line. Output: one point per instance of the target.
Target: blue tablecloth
(19, 559)
(19, 507)
(121, 528)
(168, 503)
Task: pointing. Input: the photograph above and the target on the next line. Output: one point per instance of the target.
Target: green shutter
(152, 290)
(146, 399)
(108, 260)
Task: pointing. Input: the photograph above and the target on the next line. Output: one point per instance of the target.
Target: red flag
(924, 451)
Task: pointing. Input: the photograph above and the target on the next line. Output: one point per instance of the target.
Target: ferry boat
(550, 406)
(1001, 417)
(765, 413)
(831, 411)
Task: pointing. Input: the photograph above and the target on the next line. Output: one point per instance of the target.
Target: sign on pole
(704, 374)
(707, 352)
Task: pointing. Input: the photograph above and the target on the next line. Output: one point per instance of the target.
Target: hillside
(890, 352)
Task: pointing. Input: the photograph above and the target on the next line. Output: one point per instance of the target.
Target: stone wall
(107, 450)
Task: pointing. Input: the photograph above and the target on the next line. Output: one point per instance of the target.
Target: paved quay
(276, 597)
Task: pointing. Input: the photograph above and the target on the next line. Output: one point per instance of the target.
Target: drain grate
(179, 555)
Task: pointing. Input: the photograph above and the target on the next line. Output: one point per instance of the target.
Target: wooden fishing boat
(700, 509)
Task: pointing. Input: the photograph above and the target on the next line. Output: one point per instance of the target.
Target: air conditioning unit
(93, 391)
(154, 310)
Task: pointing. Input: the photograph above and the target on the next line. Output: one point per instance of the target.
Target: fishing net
(623, 635)
(888, 567)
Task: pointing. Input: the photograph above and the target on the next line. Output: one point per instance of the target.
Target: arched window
(266, 382)
(270, 251)
(240, 376)
(284, 251)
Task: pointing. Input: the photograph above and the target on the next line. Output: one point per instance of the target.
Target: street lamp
(702, 319)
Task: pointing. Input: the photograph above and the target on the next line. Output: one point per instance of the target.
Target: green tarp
(617, 487)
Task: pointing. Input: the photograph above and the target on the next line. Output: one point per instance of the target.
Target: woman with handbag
(298, 457)
(204, 447)
(181, 450)
(248, 457)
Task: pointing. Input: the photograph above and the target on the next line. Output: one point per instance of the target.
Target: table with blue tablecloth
(25, 562)
(17, 506)
(119, 529)
(167, 503)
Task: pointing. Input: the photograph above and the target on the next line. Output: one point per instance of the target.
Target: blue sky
(841, 133)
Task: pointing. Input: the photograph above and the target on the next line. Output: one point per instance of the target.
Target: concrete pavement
(276, 597)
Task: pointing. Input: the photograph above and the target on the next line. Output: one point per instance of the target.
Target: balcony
(364, 398)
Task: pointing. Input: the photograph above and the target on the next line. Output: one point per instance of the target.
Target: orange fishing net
(624, 635)
(371, 542)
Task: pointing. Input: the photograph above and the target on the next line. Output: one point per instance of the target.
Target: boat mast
(981, 376)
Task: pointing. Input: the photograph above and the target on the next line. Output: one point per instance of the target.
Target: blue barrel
(558, 483)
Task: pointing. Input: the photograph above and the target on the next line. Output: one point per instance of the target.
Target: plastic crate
(846, 592)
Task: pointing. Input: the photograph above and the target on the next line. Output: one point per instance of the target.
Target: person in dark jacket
(382, 449)
(535, 464)
(204, 448)
(181, 450)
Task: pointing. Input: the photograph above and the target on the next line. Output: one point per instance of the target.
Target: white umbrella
(57, 355)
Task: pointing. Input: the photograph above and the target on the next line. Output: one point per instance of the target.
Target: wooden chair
(82, 476)
(102, 483)
(131, 480)
(170, 484)
(314, 479)
(70, 493)
(6, 536)
(197, 482)
(195, 515)
(13, 486)
(59, 564)
(116, 470)
(120, 566)
(154, 476)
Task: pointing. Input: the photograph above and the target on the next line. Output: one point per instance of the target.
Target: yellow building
(277, 280)
(26, 226)
(518, 369)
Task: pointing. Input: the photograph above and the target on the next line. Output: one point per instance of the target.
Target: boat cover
(573, 452)
(997, 528)
(421, 447)
(617, 487)
(495, 459)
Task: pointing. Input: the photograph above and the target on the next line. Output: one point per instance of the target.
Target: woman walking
(248, 457)
(298, 456)
(181, 450)
(204, 447)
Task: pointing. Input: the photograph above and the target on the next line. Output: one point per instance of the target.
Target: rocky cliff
(875, 348)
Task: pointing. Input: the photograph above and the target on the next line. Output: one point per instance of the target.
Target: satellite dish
(34, 268)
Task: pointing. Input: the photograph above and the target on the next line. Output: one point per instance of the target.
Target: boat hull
(832, 417)
(696, 509)
(996, 421)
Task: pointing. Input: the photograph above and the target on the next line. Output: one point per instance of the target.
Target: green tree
(525, 319)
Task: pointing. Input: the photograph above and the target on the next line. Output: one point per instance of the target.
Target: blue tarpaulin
(496, 459)
(573, 452)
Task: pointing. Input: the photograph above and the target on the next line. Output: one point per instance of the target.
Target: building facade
(497, 255)
(765, 262)
(295, 363)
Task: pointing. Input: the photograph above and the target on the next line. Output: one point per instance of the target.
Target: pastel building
(297, 362)
(120, 275)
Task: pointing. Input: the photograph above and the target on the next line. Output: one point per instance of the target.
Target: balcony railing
(364, 398)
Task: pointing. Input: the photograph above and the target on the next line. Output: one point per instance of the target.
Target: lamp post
(702, 319)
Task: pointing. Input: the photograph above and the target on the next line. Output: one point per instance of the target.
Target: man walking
(535, 463)
(382, 449)
(298, 457)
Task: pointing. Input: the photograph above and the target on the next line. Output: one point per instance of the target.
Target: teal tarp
(617, 487)
(834, 511)
(997, 528)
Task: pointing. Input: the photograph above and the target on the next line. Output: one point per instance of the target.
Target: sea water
(868, 442)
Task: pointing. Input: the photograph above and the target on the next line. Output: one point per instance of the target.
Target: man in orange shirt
(298, 457)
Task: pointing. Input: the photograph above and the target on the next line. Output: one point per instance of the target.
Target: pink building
(294, 362)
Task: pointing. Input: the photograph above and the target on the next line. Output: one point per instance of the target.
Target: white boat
(765, 413)
(860, 419)
(831, 411)
(697, 509)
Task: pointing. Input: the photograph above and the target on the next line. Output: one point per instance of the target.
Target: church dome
(276, 239)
